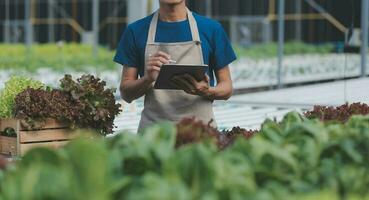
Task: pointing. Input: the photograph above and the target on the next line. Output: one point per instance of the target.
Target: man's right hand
(154, 64)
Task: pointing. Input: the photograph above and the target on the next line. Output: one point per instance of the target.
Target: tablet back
(167, 72)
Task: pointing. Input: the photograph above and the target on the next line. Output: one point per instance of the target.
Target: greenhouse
(184, 99)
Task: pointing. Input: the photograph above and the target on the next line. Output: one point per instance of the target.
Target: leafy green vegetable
(97, 104)
(3, 163)
(84, 103)
(191, 130)
(13, 87)
(65, 56)
(297, 158)
(340, 113)
(56, 57)
(37, 105)
(227, 137)
(76, 173)
(269, 50)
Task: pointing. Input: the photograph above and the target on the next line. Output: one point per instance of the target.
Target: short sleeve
(223, 53)
(127, 52)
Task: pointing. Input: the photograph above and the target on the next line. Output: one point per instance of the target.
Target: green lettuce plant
(14, 86)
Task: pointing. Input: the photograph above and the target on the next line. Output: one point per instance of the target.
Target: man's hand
(191, 86)
(154, 64)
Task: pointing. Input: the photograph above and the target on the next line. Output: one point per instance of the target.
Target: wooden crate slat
(45, 135)
(48, 124)
(17, 123)
(8, 145)
(9, 123)
(23, 148)
(50, 133)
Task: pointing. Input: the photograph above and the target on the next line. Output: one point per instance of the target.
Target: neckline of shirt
(175, 22)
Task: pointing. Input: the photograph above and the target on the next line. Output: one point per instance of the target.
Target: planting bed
(251, 73)
(246, 72)
(255, 67)
(297, 158)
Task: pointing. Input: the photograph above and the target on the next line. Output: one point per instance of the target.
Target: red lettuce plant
(341, 113)
(191, 130)
(84, 103)
(97, 104)
(229, 136)
(36, 105)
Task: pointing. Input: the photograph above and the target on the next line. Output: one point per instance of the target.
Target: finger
(178, 86)
(194, 81)
(190, 79)
(161, 59)
(187, 84)
(175, 77)
(183, 87)
(155, 63)
(154, 68)
(162, 54)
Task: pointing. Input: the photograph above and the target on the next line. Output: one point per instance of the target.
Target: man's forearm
(223, 91)
(133, 89)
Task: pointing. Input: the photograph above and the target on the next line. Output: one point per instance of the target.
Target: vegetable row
(297, 158)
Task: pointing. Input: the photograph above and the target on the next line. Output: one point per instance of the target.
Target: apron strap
(152, 29)
(191, 19)
(193, 26)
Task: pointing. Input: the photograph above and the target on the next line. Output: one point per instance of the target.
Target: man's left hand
(190, 85)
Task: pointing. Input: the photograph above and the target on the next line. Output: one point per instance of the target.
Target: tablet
(168, 71)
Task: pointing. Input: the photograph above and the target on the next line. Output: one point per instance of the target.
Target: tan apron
(174, 105)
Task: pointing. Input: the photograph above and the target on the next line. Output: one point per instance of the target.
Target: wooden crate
(50, 134)
(8, 145)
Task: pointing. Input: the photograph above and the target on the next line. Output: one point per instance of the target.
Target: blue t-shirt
(216, 48)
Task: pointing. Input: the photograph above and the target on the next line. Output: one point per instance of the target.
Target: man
(175, 33)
